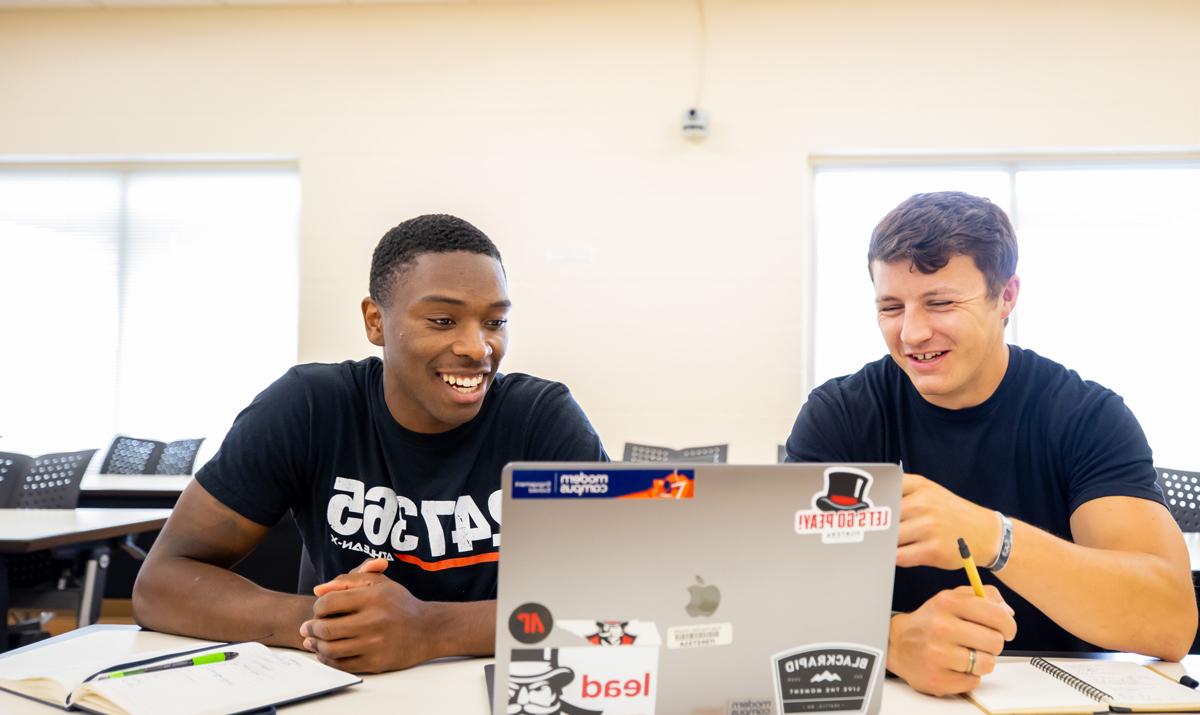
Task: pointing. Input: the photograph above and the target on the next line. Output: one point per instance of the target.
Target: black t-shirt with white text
(321, 442)
(1043, 444)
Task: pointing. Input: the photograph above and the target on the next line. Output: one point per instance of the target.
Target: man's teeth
(927, 356)
(463, 383)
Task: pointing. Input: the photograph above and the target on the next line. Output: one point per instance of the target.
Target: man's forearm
(1123, 600)
(463, 628)
(180, 595)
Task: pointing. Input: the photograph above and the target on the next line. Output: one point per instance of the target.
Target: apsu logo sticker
(842, 513)
(826, 678)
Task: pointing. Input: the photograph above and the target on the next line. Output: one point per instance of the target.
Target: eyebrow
(458, 301)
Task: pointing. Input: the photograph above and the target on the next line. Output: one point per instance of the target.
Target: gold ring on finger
(971, 661)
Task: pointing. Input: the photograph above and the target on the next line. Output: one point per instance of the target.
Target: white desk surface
(75, 525)
(134, 484)
(457, 686)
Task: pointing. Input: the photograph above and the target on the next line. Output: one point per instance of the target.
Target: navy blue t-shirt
(321, 442)
(1044, 443)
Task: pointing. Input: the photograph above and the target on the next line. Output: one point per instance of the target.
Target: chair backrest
(178, 457)
(710, 454)
(132, 455)
(52, 481)
(13, 468)
(1182, 492)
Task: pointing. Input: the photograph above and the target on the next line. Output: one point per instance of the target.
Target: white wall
(554, 127)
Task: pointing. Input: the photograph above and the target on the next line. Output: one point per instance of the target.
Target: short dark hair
(432, 233)
(929, 229)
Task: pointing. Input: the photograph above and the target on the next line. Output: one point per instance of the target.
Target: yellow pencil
(969, 565)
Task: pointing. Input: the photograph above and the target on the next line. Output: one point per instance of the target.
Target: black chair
(66, 577)
(133, 455)
(1182, 491)
(711, 454)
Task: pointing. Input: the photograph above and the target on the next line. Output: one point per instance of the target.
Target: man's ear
(373, 321)
(1008, 296)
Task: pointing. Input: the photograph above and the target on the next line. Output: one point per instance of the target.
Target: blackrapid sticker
(613, 632)
(662, 484)
(530, 623)
(583, 681)
(826, 678)
(704, 635)
(843, 512)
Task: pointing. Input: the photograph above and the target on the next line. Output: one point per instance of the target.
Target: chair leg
(93, 584)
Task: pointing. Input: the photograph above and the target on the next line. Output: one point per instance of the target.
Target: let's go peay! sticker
(604, 484)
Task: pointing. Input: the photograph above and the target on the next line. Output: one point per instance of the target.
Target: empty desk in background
(24, 531)
(1193, 545)
(274, 564)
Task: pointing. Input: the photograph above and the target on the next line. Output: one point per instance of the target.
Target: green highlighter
(198, 660)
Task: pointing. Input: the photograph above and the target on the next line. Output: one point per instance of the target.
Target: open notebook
(1049, 685)
(64, 674)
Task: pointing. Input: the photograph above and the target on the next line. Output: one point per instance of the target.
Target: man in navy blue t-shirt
(1048, 477)
(391, 468)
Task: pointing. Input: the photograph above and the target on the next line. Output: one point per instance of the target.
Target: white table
(26, 530)
(146, 486)
(1193, 545)
(457, 686)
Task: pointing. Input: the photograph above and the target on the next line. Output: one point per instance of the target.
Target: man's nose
(916, 328)
(523, 696)
(473, 344)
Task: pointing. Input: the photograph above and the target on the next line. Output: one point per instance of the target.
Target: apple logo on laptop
(705, 599)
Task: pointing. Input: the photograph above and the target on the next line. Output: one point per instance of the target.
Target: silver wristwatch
(1005, 549)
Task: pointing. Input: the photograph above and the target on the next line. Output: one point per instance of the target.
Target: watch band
(1005, 549)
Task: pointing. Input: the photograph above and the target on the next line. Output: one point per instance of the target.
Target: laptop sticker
(750, 706)
(704, 635)
(613, 632)
(662, 484)
(583, 681)
(826, 678)
(843, 511)
(530, 623)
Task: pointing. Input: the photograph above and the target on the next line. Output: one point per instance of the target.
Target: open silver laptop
(694, 589)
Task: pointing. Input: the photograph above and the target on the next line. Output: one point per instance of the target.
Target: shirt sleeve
(820, 431)
(260, 465)
(1107, 454)
(560, 431)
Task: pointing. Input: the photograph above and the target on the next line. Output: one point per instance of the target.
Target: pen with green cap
(198, 660)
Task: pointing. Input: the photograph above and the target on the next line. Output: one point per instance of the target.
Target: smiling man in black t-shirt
(391, 468)
(1047, 476)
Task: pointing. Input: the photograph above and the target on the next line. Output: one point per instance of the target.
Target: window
(150, 300)
(1106, 256)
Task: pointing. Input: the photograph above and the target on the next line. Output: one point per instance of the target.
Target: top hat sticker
(537, 666)
(845, 490)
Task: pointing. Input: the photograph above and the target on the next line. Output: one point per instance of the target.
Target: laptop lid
(694, 589)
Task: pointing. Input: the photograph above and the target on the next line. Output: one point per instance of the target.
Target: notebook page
(1020, 687)
(68, 662)
(257, 677)
(1130, 684)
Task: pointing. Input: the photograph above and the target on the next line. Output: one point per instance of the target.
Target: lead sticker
(826, 677)
(844, 511)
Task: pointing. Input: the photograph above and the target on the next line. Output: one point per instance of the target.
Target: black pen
(1189, 681)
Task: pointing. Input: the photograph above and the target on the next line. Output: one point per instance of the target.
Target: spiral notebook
(1051, 685)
